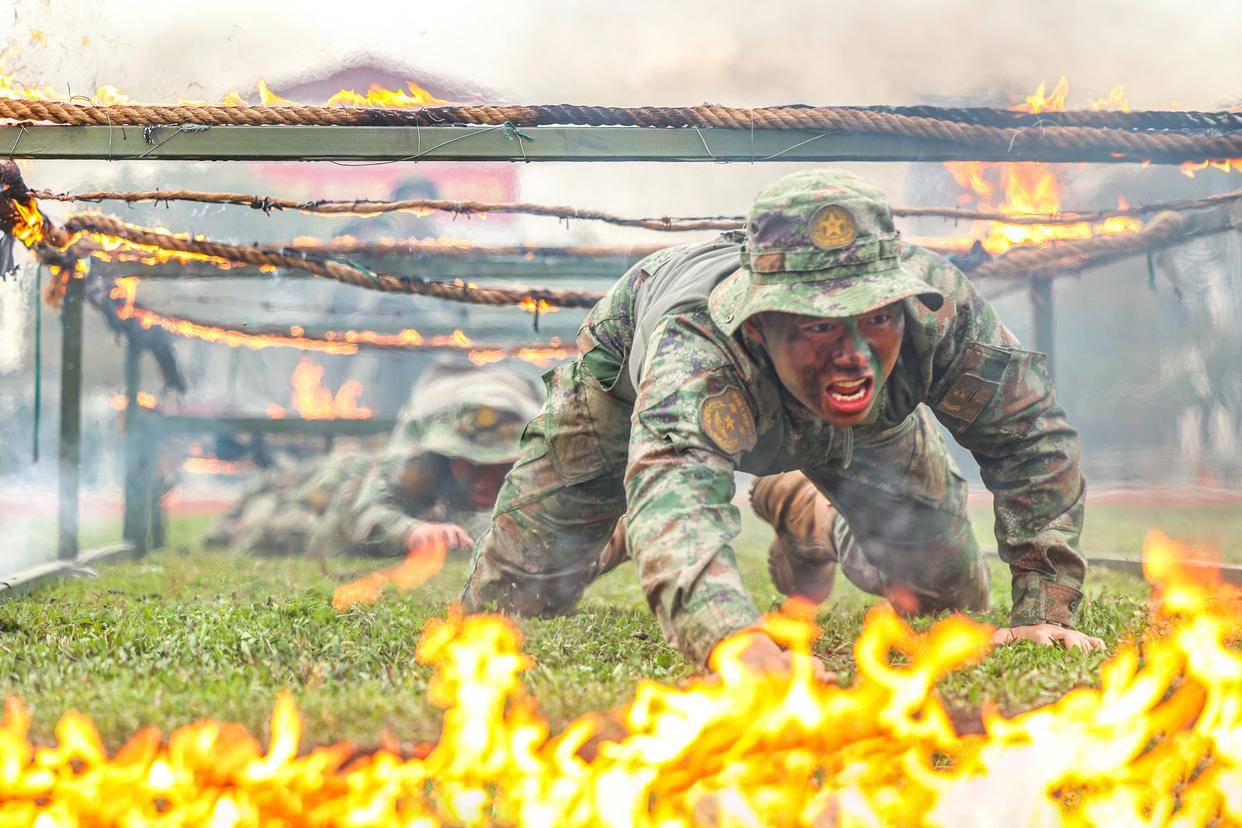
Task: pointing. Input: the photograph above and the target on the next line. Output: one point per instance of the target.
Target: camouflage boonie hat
(476, 414)
(818, 243)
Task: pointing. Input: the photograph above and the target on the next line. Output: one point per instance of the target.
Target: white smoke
(16, 313)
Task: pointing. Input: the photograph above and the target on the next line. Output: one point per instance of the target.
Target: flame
(29, 226)
(419, 565)
(532, 305)
(269, 98)
(412, 97)
(1226, 165)
(314, 402)
(1029, 189)
(1039, 102)
(535, 356)
(1159, 743)
(1114, 102)
(145, 400)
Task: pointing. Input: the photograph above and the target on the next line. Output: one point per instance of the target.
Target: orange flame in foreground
(1159, 743)
(419, 565)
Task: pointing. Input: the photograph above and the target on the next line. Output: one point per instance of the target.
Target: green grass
(185, 635)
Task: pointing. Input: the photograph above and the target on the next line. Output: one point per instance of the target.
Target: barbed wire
(366, 207)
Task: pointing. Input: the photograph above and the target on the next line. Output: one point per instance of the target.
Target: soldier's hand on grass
(449, 535)
(763, 655)
(1047, 634)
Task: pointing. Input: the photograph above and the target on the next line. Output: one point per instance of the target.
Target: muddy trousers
(893, 520)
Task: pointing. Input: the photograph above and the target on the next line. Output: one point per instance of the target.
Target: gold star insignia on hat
(485, 417)
(833, 227)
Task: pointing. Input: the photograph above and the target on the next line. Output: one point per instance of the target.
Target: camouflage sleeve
(679, 490)
(379, 520)
(999, 403)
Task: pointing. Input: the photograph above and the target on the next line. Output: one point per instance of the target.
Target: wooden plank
(544, 143)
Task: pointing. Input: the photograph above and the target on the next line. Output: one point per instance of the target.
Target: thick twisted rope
(325, 268)
(667, 223)
(1056, 257)
(1164, 145)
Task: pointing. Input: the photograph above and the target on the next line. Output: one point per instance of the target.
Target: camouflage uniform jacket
(960, 361)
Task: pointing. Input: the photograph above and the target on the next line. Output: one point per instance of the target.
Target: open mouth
(849, 396)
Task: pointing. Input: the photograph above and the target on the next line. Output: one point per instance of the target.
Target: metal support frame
(150, 428)
(1044, 319)
(137, 513)
(498, 267)
(69, 454)
(539, 143)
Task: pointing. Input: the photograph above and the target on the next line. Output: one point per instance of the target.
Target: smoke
(652, 51)
(16, 315)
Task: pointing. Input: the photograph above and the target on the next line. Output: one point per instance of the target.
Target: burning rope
(1128, 140)
(64, 238)
(1047, 133)
(1163, 231)
(366, 207)
(257, 337)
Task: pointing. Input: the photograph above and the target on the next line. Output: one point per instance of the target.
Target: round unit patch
(727, 420)
(485, 417)
(833, 227)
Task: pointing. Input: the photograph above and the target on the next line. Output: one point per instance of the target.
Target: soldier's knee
(800, 575)
(783, 498)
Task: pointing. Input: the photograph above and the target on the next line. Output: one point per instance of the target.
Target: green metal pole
(38, 364)
(70, 448)
(1044, 318)
(134, 528)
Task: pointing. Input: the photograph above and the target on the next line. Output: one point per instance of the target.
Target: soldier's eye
(820, 327)
(881, 318)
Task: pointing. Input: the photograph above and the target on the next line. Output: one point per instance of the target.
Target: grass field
(186, 634)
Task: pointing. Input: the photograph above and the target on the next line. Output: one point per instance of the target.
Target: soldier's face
(833, 366)
(480, 483)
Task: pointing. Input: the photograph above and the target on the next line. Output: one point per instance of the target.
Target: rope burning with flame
(1158, 743)
(337, 343)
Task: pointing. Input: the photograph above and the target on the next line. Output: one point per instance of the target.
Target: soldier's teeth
(850, 397)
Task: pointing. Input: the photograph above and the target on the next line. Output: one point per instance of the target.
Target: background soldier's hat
(818, 243)
(476, 414)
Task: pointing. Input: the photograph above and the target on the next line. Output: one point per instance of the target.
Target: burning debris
(1157, 743)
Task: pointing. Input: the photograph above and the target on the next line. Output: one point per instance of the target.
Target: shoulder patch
(726, 419)
(967, 398)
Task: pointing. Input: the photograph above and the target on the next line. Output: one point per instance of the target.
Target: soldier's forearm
(382, 531)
